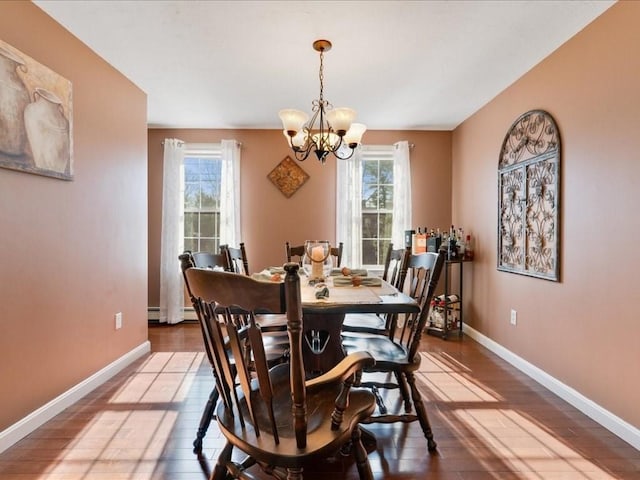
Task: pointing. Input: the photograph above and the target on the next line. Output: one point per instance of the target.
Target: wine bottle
(468, 252)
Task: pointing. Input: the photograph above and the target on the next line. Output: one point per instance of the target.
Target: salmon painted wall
(269, 219)
(72, 253)
(584, 330)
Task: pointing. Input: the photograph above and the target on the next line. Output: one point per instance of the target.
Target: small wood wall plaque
(288, 176)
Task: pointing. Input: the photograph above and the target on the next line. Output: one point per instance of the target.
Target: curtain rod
(411, 145)
(385, 146)
(179, 141)
(182, 142)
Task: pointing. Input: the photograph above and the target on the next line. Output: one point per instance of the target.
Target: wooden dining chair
(295, 253)
(336, 253)
(397, 353)
(395, 271)
(236, 258)
(275, 416)
(276, 344)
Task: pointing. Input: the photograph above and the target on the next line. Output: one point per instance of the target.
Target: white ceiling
(400, 64)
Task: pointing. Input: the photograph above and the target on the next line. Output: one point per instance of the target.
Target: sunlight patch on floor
(121, 442)
(164, 377)
(525, 446)
(127, 441)
(447, 383)
(473, 410)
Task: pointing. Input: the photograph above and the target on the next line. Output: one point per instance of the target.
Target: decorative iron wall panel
(529, 196)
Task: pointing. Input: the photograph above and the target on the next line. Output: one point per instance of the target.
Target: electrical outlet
(118, 319)
(514, 317)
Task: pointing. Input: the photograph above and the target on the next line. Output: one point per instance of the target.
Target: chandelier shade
(293, 120)
(330, 130)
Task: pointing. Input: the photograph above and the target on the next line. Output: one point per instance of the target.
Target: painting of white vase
(36, 127)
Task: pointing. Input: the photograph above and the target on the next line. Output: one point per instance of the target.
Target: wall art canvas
(36, 127)
(288, 176)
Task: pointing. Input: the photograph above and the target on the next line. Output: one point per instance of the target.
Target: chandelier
(334, 133)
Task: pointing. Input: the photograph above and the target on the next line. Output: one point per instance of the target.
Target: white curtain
(349, 208)
(401, 193)
(172, 241)
(230, 194)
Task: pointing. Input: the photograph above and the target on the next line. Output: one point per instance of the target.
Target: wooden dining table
(323, 317)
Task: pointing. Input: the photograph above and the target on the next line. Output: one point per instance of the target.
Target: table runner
(346, 294)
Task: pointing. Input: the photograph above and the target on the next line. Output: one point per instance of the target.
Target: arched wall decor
(529, 198)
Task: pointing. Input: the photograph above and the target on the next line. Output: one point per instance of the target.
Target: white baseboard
(35, 419)
(608, 420)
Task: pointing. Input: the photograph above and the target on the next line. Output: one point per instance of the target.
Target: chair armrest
(347, 367)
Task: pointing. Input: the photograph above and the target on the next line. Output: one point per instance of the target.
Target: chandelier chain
(321, 75)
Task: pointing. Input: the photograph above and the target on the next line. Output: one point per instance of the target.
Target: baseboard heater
(153, 314)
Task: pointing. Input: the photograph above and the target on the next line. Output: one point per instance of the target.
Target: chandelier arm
(301, 155)
(302, 152)
(337, 146)
(352, 151)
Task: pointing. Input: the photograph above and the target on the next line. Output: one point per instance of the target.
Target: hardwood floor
(490, 422)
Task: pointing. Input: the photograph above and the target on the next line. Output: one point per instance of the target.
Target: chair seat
(276, 353)
(382, 348)
(272, 322)
(364, 322)
(276, 345)
(320, 401)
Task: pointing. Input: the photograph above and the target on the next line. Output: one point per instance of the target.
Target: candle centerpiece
(317, 261)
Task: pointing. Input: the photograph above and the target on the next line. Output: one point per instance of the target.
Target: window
(202, 175)
(377, 205)
(200, 210)
(373, 203)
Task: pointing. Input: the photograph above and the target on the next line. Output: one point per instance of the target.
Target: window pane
(209, 198)
(191, 244)
(386, 171)
(369, 172)
(382, 251)
(208, 245)
(370, 252)
(191, 170)
(369, 225)
(386, 220)
(210, 171)
(370, 197)
(385, 195)
(208, 224)
(190, 224)
(191, 196)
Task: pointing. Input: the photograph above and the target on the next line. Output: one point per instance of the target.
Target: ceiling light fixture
(335, 132)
